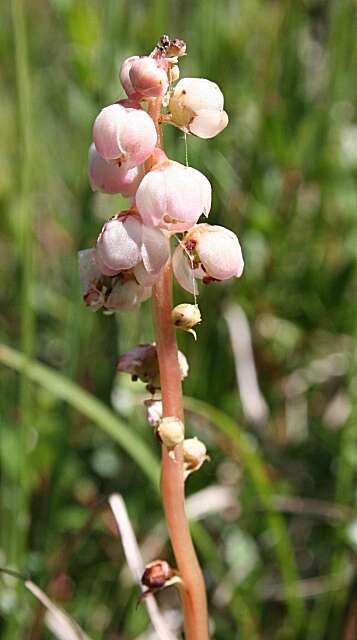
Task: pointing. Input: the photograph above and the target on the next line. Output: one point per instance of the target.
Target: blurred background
(273, 371)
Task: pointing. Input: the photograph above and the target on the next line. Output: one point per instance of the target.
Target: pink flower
(126, 243)
(110, 178)
(124, 134)
(197, 106)
(148, 77)
(173, 196)
(208, 253)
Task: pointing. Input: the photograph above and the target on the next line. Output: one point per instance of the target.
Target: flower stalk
(132, 261)
(172, 472)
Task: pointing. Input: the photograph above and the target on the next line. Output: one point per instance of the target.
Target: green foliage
(284, 178)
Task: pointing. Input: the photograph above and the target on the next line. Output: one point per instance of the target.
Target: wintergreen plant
(132, 262)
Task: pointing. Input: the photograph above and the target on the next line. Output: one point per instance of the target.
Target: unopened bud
(171, 431)
(185, 316)
(156, 574)
(194, 455)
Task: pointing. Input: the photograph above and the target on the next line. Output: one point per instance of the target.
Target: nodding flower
(173, 197)
(120, 292)
(126, 243)
(196, 106)
(110, 178)
(125, 135)
(208, 253)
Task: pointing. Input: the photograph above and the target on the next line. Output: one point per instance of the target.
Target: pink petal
(107, 131)
(126, 296)
(155, 249)
(147, 78)
(119, 244)
(144, 277)
(182, 270)
(125, 77)
(172, 196)
(138, 138)
(220, 253)
(207, 123)
(110, 178)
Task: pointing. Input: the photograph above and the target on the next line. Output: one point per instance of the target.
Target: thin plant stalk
(193, 592)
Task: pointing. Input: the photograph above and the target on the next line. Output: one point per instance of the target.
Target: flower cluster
(166, 197)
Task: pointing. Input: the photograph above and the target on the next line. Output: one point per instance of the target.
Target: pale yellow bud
(194, 455)
(185, 316)
(171, 431)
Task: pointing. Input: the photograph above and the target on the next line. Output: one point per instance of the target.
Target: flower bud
(185, 316)
(194, 455)
(156, 574)
(207, 253)
(110, 178)
(171, 431)
(197, 106)
(126, 135)
(148, 77)
(173, 196)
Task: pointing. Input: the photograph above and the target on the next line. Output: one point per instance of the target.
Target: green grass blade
(86, 404)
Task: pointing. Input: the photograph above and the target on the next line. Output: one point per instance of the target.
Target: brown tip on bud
(156, 574)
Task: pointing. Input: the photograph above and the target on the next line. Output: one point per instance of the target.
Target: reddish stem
(172, 479)
(193, 591)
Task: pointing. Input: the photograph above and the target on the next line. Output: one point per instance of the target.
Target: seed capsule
(156, 574)
(171, 431)
(186, 316)
(194, 455)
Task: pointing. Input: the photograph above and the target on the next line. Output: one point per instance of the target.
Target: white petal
(208, 123)
(182, 270)
(199, 93)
